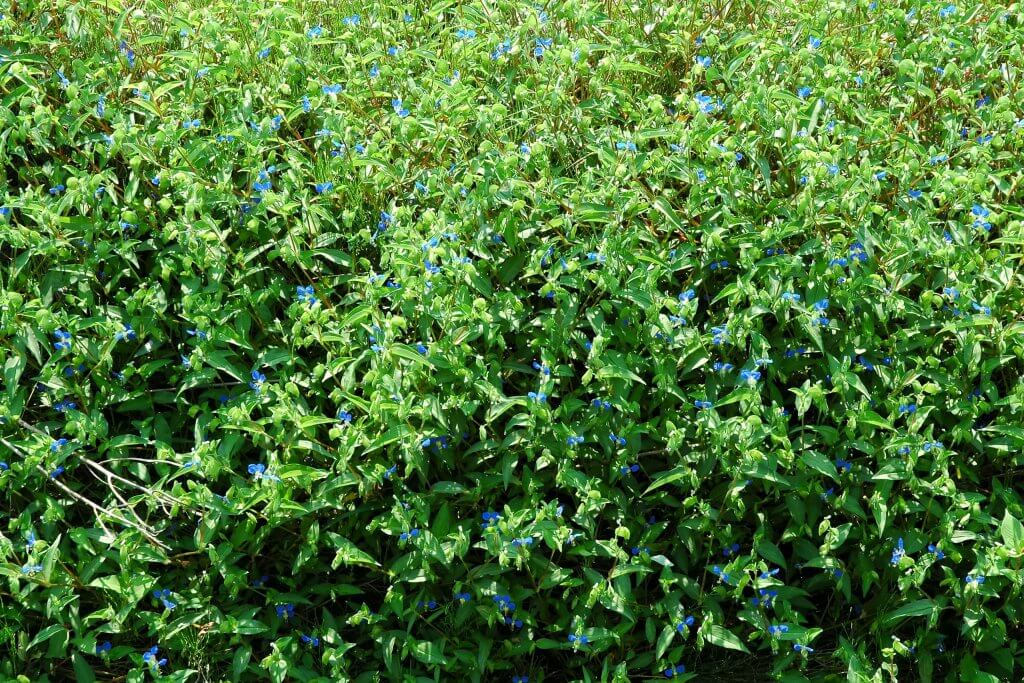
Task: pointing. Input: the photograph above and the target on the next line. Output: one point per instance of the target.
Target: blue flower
(315, 32)
(580, 640)
(164, 597)
(538, 396)
(350, 21)
(686, 623)
(321, 188)
(797, 647)
(63, 340)
(914, 194)
(932, 548)
(264, 53)
(285, 611)
(814, 43)
(191, 125)
(406, 535)
(311, 640)
(898, 553)
(540, 44)
(150, 658)
(30, 569)
(976, 580)
(804, 92)
(259, 471)
(258, 378)
(332, 89)
(396, 104)
(671, 672)
(520, 679)
(465, 34)
(575, 440)
(707, 104)
(750, 375)
(908, 408)
(628, 469)
(384, 222)
(703, 61)
(776, 630)
(305, 295)
(625, 145)
(104, 647)
(502, 49)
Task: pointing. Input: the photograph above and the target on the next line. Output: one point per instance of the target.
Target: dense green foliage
(488, 341)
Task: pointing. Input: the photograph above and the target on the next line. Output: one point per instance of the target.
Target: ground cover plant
(582, 340)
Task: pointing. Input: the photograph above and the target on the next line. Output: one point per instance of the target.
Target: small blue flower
(914, 194)
(804, 92)
(932, 548)
(305, 295)
(150, 658)
(258, 378)
(702, 405)
(264, 53)
(814, 43)
(312, 641)
(465, 34)
(104, 647)
(797, 647)
(976, 580)
(332, 89)
(315, 32)
(750, 375)
(898, 553)
(776, 630)
(63, 340)
(285, 611)
(703, 61)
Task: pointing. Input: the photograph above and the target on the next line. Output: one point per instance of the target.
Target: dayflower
(898, 553)
(150, 657)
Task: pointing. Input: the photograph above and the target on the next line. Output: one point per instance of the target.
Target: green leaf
(721, 637)
(771, 552)
(1013, 532)
(44, 635)
(918, 608)
(349, 554)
